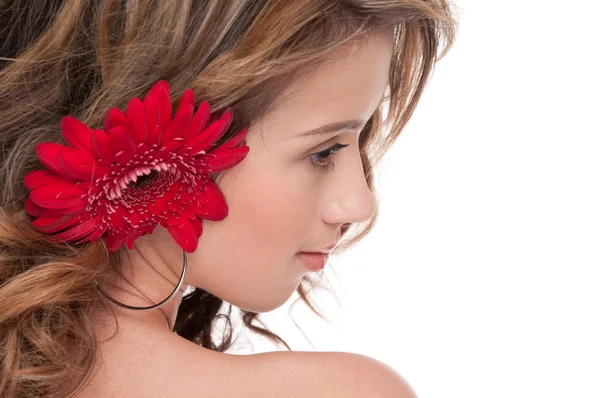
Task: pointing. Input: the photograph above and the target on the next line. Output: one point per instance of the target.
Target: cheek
(268, 222)
(269, 213)
(249, 255)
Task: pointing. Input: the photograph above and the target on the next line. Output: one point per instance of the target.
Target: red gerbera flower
(144, 169)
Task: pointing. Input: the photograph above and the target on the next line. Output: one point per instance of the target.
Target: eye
(323, 160)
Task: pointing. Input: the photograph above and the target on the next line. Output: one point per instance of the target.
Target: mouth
(313, 261)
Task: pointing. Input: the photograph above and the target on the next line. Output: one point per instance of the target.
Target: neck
(147, 279)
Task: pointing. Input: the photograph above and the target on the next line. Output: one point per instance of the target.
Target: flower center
(144, 180)
(138, 179)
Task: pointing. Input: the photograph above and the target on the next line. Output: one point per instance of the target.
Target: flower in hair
(145, 168)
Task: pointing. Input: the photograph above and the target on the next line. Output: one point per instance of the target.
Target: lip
(313, 261)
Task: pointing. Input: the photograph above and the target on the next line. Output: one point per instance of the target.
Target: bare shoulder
(320, 374)
(176, 367)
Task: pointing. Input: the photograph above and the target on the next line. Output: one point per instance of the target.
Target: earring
(129, 307)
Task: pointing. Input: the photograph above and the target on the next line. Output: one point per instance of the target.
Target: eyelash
(327, 155)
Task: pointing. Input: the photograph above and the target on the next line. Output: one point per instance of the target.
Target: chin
(259, 299)
(267, 305)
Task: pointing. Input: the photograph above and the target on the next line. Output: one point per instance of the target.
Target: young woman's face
(280, 202)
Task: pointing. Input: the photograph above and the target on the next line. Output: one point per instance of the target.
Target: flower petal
(235, 140)
(208, 136)
(197, 223)
(186, 236)
(188, 211)
(99, 232)
(176, 221)
(216, 207)
(174, 144)
(123, 157)
(83, 185)
(102, 146)
(137, 117)
(199, 121)
(188, 97)
(31, 208)
(53, 224)
(80, 231)
(39, 178)
(114, 117)
(57, 196)
(165, 111)
(48, 153)
(116, 220)
(151, 108)
(114, 241)
(38, 211)
(80, 167)
(220, 159)
(77, 134)
(156, 136)
(179, 124)
(186, 105)
(123, 139)
(76, 209)
(131, 238)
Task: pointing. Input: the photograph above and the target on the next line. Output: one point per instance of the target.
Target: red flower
(144, 169)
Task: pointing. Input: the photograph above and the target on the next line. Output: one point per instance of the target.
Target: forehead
(348, 85)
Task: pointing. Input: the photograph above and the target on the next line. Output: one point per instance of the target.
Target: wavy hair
(80, 58)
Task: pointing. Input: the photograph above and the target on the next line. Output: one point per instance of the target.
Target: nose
(350, 199)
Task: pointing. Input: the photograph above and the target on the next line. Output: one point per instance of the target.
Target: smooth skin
(280, 203)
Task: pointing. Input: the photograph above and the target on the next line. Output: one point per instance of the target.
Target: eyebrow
(335, 127)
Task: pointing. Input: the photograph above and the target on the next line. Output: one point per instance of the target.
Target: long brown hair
(80, 58)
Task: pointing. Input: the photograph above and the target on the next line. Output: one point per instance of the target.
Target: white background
(481, 278)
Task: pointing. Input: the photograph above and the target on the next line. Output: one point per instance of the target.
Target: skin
(279, 204)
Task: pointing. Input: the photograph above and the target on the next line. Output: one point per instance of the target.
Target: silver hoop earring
(129, 307)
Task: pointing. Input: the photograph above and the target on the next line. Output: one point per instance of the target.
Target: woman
(123, 231)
